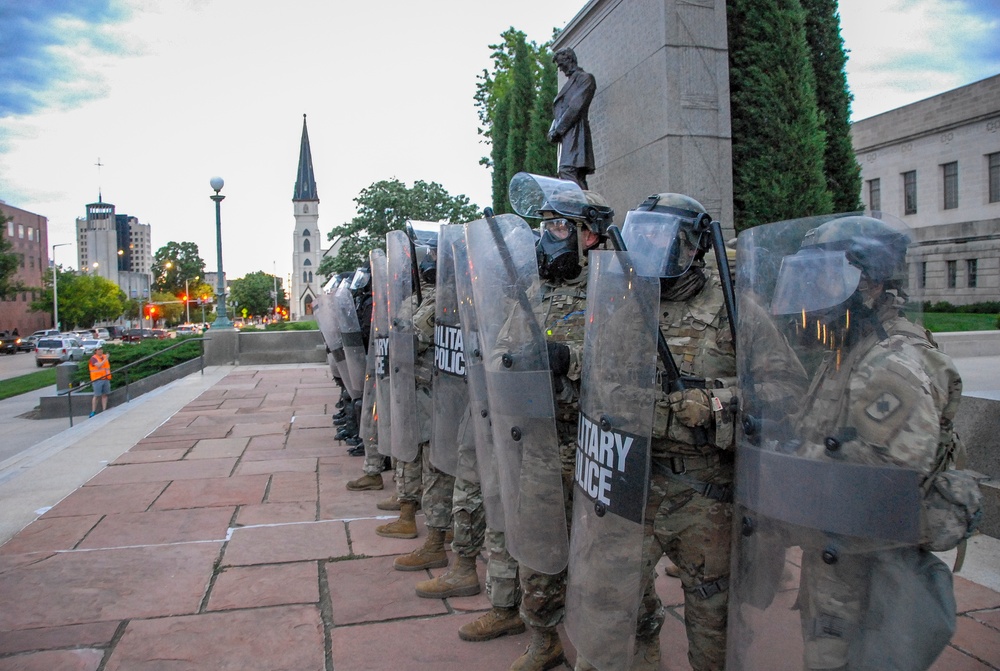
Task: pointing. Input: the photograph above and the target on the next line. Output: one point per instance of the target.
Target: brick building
(29, 234)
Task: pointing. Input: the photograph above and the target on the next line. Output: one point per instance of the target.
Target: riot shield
(368, 429)
(379, 343)
(402, 339)
(326, 317)
(353, 342)
(450, 393)
(519, 386)
(818, 509)
(617, 399)
(486, 460)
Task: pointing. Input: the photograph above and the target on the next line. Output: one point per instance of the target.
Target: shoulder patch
(883, 407)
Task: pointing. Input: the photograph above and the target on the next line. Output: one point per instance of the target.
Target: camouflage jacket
(564, 307)
(697, 332)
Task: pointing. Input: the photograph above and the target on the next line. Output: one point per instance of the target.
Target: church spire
(305, 180)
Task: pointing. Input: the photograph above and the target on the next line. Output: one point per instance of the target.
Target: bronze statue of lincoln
(570, 127)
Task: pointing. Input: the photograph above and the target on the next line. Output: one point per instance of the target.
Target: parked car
(102, 333)
(90, 345)
(45, 332)
(137, 335)
(160, 334)
(28, 343)
(115, 332)
(58, 349)
(188, 329)
(9, 344)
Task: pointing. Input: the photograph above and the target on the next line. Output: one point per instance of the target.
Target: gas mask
(558, 251)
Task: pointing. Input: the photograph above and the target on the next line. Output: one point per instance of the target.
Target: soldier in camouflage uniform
(883, 395)
(562, 250)
(414, 476)
(689, 507)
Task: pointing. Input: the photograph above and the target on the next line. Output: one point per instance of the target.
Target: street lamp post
(187, 301)
(221, 319)
(55, 286)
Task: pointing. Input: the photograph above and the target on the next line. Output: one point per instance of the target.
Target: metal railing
(68, 393)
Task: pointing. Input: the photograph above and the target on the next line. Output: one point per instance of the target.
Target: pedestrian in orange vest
(100, 375)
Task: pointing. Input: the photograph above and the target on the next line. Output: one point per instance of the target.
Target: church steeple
(305, 180)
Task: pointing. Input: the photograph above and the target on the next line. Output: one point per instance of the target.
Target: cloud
(44, 47)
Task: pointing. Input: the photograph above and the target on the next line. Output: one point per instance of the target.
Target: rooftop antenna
(99, 166)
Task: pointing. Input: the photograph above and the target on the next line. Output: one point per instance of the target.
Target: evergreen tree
(843, 174)
(778, 144)
(522, 98)
(541, 157)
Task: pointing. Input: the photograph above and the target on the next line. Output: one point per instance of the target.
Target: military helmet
(534, 195)
(666, 233)
(693, 216)
(870, 244)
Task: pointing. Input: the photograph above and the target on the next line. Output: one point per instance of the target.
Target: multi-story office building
(935, 164)
(116, 247)
(28, 234)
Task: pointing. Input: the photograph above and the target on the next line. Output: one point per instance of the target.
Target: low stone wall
(978, 425)
(257, 348)
(961, 344)
(58, 406)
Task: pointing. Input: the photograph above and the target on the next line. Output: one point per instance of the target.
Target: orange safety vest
(100, 367)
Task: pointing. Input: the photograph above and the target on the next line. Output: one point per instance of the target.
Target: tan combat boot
(647, 654)
(366, 482)
(391, 503)
(429, 555)
(405, 526)
(460, 580)
(495, 623)
(545, 651)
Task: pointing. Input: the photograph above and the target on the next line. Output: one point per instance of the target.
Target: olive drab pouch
(952, 508)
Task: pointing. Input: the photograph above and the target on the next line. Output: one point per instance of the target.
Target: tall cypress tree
(521, 96)
(843, 174)
(541, 156)
(778, 145)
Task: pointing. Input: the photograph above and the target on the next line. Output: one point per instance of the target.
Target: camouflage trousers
(469, 518)
(543, 596)
(408, 476)
(438, 490)
(502, 586)
(373, 460)
(694, 531)
(831, 599)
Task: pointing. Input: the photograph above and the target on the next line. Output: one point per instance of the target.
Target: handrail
(68, 393)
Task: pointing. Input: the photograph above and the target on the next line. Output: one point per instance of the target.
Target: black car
(138, 335)
(9, 344)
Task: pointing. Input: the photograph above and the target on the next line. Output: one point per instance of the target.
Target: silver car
(90, 345)
(56, 350)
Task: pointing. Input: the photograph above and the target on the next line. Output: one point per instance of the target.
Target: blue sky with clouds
(169, 93)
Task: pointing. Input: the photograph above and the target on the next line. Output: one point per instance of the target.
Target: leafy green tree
(778, 144)
(253, 292)
(829, 60)
(175, 262)
(84, 299)
(169, 307)
(386, 206)
(10, 263)
(512, 119)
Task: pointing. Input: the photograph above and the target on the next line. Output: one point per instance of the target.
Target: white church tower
(307, 250)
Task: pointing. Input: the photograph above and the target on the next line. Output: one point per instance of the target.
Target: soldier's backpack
(952, 503)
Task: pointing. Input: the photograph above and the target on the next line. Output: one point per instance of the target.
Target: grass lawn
(940, 322)
(25, 383)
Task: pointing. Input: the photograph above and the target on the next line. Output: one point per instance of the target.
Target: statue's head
(565, 60)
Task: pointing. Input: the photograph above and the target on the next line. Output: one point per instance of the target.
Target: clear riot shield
(617, 399)
(818, 513)
(479, 415)
(368, 429)
(450, 393)
(326, 317)
(519, 385)
(402, 339)
(353, 341)
(379, 343)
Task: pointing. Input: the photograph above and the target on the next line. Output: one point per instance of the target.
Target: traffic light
(184, 298)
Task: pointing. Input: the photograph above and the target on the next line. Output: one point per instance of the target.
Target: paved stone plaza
(224, 538)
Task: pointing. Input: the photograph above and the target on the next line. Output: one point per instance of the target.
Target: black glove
(558, 358)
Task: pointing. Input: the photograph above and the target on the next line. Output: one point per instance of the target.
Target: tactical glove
(692, 407)
(558, 358)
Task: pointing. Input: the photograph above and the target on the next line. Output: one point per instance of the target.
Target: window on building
(306, 233)
(310, 276)
(875, 194)
(910, 192)
(972, 268)
(950, 173)
(305, 277)
(307, 262)
(922, 275)
(952, 274)
(994, 177)
(31, 233)
(10, 229)
(305, 246)
(20, 231)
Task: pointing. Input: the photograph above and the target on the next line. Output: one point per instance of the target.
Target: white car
(90, 345)
(58, 349)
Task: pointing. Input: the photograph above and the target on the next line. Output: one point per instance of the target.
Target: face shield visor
(814, 279)
(531, 195)
(360, 280)
(661, 244)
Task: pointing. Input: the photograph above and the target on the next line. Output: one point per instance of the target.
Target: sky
(166, 94)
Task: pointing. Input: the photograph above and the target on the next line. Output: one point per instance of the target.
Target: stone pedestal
(221, 347)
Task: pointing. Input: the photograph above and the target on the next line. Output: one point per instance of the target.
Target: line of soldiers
(582, 401)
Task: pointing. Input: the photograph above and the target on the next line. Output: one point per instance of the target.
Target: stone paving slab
(97, 634)
(286, 543)
(235, 491)
(64, 660)
(159, 527)
(259, 586)
(98, 500)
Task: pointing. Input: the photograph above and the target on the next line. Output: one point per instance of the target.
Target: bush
(126, 353)
(309, 325)
(985, 308)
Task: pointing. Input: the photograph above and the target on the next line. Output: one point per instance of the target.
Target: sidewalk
(220, 536)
